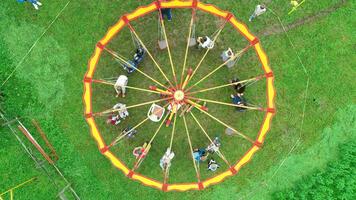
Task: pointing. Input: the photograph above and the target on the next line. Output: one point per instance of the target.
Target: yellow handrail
(14, 188)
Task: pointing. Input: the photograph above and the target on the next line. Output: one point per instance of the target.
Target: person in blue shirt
(200, 154)
(238, 99)
(35, 3)
(130, 66)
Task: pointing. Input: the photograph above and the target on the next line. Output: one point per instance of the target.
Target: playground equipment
(295, 5)
(48, 165)
(29, 136)
(44, 137)
(155, 113)
(162, 42)
(11, 190)
(182, 93)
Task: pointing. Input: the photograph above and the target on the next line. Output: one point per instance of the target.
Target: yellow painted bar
(163, 91)
(200, 107)
(86, 98)
(212, 9)
(271, 92)
(95, 132)
(265, 127)
(186, 81)
(242, 28)
(93, 61)
(217, 179)
(147, 181)
(14, 188)
(176, 4)
(112, 32)
(143, 10)
(263, 58)
(116, 162)
(247, 157)
(183, 187)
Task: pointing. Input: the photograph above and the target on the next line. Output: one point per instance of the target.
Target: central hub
(178, 95)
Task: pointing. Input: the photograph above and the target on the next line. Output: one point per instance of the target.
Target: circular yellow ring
(87, 96)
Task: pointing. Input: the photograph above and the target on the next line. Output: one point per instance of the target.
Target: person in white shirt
(166, 159)
(260, 9)
(123, 113)
(120, 85)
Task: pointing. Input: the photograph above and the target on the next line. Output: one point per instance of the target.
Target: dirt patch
(277, 29)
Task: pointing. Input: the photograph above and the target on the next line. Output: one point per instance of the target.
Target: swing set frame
(48, 165)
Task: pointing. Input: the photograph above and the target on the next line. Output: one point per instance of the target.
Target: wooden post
(49, 145)
(22, 128)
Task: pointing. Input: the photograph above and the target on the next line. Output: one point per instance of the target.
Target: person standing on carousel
(166, 12)
(120, 85)
(260, 9)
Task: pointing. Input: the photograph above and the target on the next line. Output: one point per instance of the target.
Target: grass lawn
(48, 87)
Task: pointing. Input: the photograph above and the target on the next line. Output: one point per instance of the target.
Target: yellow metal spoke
(225, 85)
(173, 131)
(227, 126)
(132, 106)
(187, 47)
(206, 53)
(211, 141)
(150, 55)
(145, 152)
(237, 54)
(191, 149)
(130, 87)
(168, 48)
(166, 171)
(114, 54)
(122, 135)
(229, 104)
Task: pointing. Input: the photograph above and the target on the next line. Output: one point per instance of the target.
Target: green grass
(48, 87)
